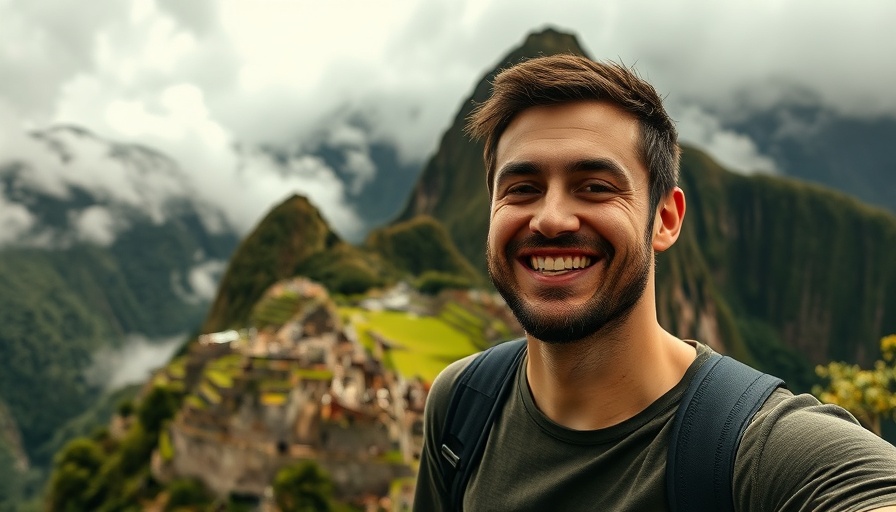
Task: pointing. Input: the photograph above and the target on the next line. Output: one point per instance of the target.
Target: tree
(870, 395)
(76, 466)
(159, 405)
(432, 282)
(187, 492)
(303, 487)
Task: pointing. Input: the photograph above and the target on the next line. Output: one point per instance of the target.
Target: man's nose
(554, 216)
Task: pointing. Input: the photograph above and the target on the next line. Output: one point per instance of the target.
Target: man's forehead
(593, 115)
(579, 130)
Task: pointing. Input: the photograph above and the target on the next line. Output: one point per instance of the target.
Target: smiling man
(582, 164)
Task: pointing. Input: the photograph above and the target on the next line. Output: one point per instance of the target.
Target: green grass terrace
(420, 345)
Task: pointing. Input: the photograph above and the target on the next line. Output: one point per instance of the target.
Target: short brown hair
(565, 78)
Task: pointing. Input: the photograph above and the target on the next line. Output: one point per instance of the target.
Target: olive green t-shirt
(796, 455)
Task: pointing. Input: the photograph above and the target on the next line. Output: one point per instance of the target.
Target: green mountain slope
(293, 239)
(812, 264)
(419, 245)
(14, 465)
(48, 335)
(287, 237)
(65, 296)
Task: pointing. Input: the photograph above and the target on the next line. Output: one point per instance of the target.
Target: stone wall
(226, 465)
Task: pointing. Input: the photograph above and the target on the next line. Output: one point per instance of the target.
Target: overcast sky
(194, 77)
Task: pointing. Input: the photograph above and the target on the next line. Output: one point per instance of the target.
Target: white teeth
(551, 264)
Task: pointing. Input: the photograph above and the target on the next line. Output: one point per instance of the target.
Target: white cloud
(133, 361)
(42, 45)
(354, 145)
(260, 175)
(94, 224)
(124, 175)
(733, 150)
(203, 279)
(15, 220)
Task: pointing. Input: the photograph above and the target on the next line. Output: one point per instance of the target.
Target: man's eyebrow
(602, 165)
(515, 169)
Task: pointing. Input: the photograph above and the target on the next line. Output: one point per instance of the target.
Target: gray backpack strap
(716, 408)
(476, 400)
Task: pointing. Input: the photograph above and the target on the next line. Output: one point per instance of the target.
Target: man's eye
(522, 188)
(595, 188)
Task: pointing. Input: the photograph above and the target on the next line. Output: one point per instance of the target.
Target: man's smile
(557, 263)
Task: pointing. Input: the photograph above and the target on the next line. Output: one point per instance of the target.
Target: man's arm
(799, 455)
(431, 493)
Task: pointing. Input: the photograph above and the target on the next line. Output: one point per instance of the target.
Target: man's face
(569, 240)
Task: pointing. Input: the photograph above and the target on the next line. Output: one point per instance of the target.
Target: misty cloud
(94, 224)
(133, 361)
(43, 45)
(204, 278)
(15, 220)
(353, 143)
(264, 175)
(735, 151)
(201, 281)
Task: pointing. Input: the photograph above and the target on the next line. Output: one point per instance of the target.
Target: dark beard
(608, 306)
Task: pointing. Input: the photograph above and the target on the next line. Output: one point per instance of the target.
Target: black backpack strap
(476, 400)
(717, 406)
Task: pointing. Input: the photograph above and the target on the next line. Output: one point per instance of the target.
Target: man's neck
(608, 378)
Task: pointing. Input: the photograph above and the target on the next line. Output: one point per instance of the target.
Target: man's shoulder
(444, 381)
(795, 443)
(787, 418)
(784, 412)
(440, 392)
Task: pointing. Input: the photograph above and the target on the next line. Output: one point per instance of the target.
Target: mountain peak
(289, 234)
(550, 41)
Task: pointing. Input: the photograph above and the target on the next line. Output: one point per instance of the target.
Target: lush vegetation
(59, 307)
(348, 270)
(293, 239)
(289, 234)
(415, 345)
(17, 483)
(432, 282)
(103, 472)
(303, 487)
(869, 394)
(422, 247)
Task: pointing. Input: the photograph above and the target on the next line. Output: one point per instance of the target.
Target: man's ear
(668, 220)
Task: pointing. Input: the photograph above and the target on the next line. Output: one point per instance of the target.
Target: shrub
(303, 487)
(432, 282)
(186, 492)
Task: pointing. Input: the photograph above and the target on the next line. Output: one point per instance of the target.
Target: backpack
(719, 403)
